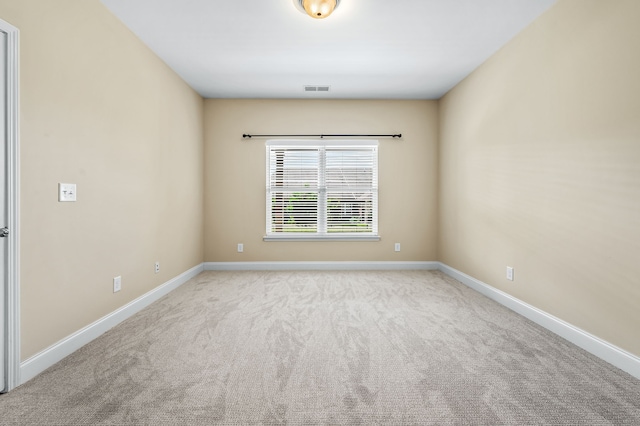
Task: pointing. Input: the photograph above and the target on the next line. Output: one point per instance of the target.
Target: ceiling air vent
(316, 88)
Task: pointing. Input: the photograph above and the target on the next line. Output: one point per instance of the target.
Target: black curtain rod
(247, 136)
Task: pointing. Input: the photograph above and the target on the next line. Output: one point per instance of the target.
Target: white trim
(13, 211)
(303, 237)
(341, 143)
(318, 266)
(48, 357)
(602, 349)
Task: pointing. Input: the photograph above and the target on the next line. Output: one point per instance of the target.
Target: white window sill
(302, 237)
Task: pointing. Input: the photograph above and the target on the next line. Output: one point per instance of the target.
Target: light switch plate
(66, 192)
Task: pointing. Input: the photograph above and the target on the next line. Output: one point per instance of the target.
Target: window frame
(321, 234)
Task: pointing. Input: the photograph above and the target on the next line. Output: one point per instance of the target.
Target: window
(322, 190)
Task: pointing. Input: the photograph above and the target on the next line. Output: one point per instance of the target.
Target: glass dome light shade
(319, 9)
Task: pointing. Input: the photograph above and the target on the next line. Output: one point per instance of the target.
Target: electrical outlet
(240, 248)
(397, 247)
(157, 267)
(117, 284)
(509, 273)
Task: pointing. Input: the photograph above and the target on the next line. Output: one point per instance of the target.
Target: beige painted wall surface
(540, 168)
(100, 110)
(235, 178)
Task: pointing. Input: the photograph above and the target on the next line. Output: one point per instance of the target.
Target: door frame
(12, 308)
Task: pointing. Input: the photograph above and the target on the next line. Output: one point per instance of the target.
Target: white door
(3, 211)
(9, 184)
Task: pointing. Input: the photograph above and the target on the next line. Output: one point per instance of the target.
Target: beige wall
(235, 179)
(540, 168)
(100, 110)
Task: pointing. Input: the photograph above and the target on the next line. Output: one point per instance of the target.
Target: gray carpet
(315, 348)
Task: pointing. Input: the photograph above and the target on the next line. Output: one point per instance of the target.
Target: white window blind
(322, 190)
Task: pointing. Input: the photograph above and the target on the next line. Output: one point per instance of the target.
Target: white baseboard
(318, 266)
(602, 349)
(56, 352)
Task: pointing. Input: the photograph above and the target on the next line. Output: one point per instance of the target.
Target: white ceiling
(397, 49)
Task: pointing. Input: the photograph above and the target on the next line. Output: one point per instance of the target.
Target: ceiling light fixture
(318, 9)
